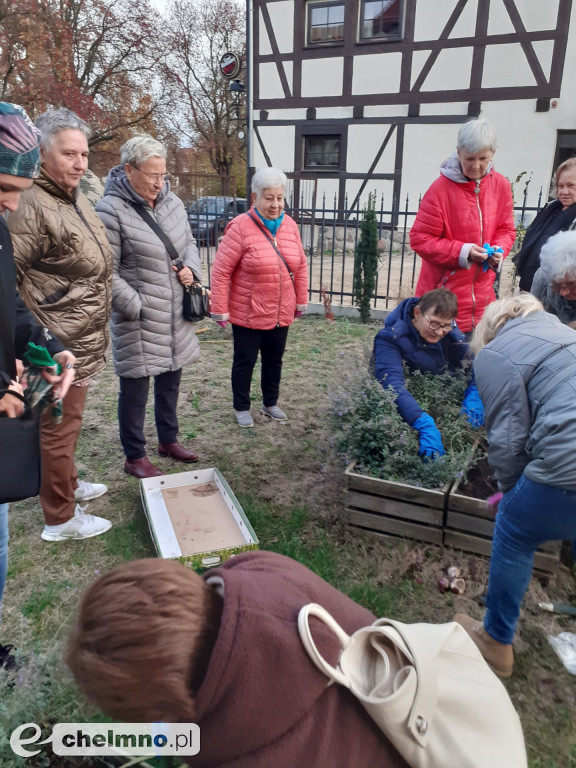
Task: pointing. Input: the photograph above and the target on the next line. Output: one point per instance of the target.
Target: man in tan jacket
(64, 269)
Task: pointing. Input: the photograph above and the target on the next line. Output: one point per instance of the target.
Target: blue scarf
(271, 224)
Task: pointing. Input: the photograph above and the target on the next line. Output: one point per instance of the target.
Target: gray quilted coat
(149, 334)
(526, 377)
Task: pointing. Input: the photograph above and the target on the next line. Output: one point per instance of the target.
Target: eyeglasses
(436, 326)
(154, 176)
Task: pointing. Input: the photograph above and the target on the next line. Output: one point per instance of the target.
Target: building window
(381, 19)
(321, 152)
(565, 147)
(325, 23)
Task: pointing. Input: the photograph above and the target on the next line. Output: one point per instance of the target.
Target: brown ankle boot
(141, 468)
(498, 656)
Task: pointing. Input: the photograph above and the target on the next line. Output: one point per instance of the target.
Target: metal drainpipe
(249, 91)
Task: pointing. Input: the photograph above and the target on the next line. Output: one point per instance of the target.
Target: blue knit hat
(19, 143)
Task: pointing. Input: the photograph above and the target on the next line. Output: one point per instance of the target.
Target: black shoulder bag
(19, 437)
(195, 301)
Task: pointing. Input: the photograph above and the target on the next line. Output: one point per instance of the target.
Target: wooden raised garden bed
(391, 510)
(384, 508)
(469, 526)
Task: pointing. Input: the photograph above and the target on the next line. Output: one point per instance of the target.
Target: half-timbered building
(365, 95)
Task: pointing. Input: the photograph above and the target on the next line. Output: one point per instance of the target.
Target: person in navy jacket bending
(422, 332)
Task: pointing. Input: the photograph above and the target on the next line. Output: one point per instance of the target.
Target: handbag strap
(273, 244)
(426, 696)
(313, 609)
(153, 224)
(11, 392)
(6, 334)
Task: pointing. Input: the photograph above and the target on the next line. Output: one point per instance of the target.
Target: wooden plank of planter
(393, 508)
(399, 528)
(389, 537)
(457, 502)
(393, 490)
(469, 523)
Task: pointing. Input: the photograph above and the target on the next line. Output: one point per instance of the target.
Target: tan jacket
(64, 266)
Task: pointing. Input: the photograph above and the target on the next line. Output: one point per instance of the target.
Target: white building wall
(279, 142)
(527, 139)
(282, 18)
(322, 77)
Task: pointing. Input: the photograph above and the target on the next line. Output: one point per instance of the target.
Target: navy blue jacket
(400, 341)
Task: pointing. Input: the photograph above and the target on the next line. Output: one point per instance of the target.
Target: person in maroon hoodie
(154, 641)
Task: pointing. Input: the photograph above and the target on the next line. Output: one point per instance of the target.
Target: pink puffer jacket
(250, 284)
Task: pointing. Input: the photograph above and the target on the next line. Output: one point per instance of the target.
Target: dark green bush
(366, 261)
(368, 429)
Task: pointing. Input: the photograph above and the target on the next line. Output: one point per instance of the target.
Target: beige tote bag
(428, 689)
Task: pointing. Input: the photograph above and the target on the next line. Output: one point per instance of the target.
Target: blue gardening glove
(429, 437)
(490, 251)
(472, 406)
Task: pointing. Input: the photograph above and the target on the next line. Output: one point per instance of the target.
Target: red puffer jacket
(456, 212)
(250, 284)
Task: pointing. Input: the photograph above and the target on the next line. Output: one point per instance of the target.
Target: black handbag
(195, 301)
(20, 456)
(20, 437)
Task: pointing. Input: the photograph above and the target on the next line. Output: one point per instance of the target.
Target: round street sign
(230, 64)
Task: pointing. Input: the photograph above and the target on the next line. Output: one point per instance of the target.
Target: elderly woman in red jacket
(469, 206)
(259, 284)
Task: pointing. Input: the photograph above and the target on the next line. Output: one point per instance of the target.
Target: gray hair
(476, 135)
(266, 178)
(567, 165)
(140, 148)
(498, 313)
(558, 257)
(55, 120)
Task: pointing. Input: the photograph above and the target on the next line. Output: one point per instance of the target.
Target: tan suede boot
(498, 656)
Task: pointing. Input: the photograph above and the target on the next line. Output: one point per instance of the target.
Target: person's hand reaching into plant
(472, 406)
(429, 438)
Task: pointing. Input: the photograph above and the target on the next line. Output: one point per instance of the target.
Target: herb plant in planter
(389, 488)
(369, 431)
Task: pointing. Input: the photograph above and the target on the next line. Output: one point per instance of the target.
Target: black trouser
(247, 343)
(132, 410)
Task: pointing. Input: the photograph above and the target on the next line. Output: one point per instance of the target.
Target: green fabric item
(39, 356)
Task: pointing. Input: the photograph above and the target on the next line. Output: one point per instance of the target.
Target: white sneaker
(81, 526)
(86, 491)
(244, 419)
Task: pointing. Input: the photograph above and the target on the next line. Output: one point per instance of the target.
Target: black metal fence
(330, 236)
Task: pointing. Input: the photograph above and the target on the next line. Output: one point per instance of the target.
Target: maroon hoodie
(263, 704)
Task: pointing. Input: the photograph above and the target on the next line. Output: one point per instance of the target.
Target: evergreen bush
(366, 261)
(368, 429)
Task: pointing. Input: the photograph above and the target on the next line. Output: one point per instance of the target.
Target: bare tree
(101, 58)
(202, 31)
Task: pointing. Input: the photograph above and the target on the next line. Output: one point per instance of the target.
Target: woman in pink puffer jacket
(259, 284)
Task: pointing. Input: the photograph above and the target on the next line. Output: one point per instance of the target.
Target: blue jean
(529, 514)
(3, 550)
